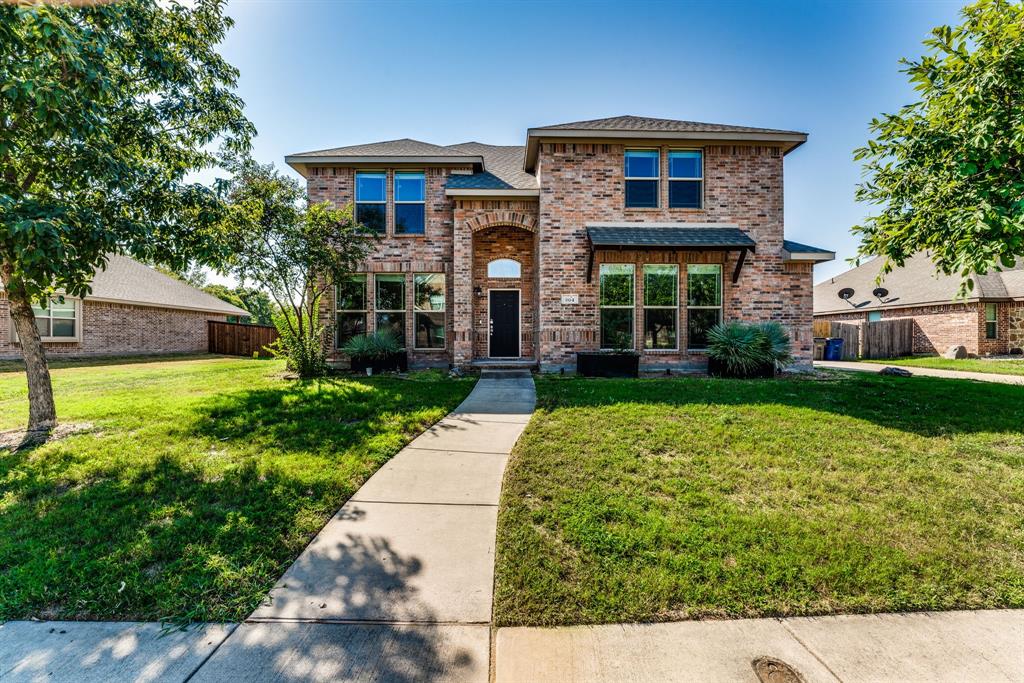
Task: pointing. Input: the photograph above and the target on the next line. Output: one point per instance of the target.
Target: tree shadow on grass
(926, 406)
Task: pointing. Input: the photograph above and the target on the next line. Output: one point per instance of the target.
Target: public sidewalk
(923, 372)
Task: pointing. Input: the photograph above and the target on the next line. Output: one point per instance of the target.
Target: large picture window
(685, 180)
(661, 306)
(349, 309)
(704, 303)
(991, 322)
(410, 203)
(371, 200)
(429, 308)
(641, 175)
(616, 304)
(390, 305)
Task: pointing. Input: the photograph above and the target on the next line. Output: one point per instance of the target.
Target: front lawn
(197, 484)
(997, 367)
(681, 498)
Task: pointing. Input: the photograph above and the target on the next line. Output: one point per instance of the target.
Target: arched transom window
(503, 267)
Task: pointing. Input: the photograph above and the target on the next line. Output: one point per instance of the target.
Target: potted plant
(377, 352)
(620, 362)
(746, 350)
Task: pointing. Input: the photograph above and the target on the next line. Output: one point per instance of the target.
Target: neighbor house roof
(693, 236)
(643, 127)
(127, 281)
(917, 283)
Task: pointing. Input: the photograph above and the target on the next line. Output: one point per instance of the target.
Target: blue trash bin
(834, 348)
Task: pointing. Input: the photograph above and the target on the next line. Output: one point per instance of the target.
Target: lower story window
(57, 321)
(350, 309)
(616, 303)
(429, 307)
(704, 303)
(390, 306)
(661, 305)
(991, 322)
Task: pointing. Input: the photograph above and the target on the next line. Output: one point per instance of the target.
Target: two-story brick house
(625, 232)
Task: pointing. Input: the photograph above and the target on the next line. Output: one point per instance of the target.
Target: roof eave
(152, 304)
(813, 256)
(789, 140)
(302, 163)
(480, 192)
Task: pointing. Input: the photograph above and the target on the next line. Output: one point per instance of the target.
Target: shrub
(745, 349)
(374, 346)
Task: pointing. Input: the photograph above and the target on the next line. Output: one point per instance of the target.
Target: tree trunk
(42, 413)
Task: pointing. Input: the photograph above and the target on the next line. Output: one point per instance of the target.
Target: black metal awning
(673, 238)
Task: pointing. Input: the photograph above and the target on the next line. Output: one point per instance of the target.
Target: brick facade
(581, 183)
(110, 329)
(940, 326)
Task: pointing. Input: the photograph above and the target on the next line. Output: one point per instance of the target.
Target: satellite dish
(845, 293)
(880, 292)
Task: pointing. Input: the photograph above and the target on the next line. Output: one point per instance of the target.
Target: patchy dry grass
(681, 498)
(198, 483)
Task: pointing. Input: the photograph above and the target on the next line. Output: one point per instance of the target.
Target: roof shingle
(682, 237)
(644, 123)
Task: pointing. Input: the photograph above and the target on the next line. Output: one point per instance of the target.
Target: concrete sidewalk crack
(807, 647)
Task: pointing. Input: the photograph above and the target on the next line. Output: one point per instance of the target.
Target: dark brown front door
(504, 323)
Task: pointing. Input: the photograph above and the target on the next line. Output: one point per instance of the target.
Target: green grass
(198, 483)
(997, 367)
(687, 498)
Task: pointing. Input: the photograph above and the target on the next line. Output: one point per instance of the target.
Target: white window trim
(423, 203)
(631, 307)
(405, 303)
(443, 311)
(365, 311)
(656, 179)
(56, 340)
(671, 179)
(675, 308)
(720, 307)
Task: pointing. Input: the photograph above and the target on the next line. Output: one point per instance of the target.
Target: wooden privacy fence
(236, 339)
(888, 338)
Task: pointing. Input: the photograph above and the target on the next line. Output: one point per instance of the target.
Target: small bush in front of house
(303, 354)
(379, 351)
(738, 349)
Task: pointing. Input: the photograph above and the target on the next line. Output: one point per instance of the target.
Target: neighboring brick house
(622, 232)
(132, 310)
(990, 321)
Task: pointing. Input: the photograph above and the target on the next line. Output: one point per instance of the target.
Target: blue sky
(321, 74)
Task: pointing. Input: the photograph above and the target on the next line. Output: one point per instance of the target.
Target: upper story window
(685, 179)
(504, 268)
(410, 204)
(642, 173)
(371, 200)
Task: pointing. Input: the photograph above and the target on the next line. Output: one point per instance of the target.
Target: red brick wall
(938, 327)
(495, 243)
(122, 329)
(583, 182)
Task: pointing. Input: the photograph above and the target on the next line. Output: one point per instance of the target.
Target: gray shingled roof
(915, 284)
(790, 245)
(126, 280)
(504, 161)
(476, 181)
(682, 237)
(405, 147)
(644, 123)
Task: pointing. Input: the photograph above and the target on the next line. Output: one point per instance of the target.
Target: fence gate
(236, 339)
(888, 338)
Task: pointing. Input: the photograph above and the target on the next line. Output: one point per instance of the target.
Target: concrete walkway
(922, 372)
(926, 647)
(398, 585)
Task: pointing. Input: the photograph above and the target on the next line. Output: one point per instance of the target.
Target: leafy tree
(948, 170)
(255, 301)
(104, 110)
(291, 249)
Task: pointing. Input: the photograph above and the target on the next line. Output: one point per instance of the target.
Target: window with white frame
(429, 310)
(642, 171)
(616, 304)
(661, 306)
(371, 200)
(685, 179)
(991, 322)
(504, 268)
(410, 203)
(349, 309)
(390, 305)
(59, 321)
(703, 302)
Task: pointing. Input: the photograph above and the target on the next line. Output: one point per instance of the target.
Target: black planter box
(716, 368)
(608, 364)
(393, 362)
